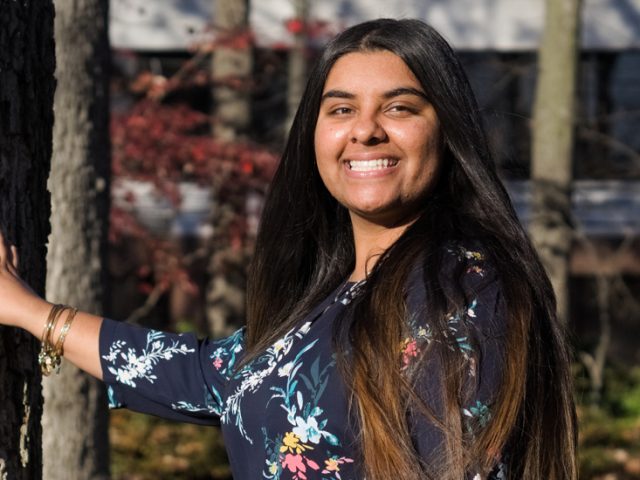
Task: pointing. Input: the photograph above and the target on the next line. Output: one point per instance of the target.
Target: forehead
(370, 71)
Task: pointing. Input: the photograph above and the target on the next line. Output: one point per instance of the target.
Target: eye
(401, 109)
(341, 111)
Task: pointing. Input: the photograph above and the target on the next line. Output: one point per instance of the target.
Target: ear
(13, 257)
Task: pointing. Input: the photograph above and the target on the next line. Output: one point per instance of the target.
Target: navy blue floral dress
(285, 415)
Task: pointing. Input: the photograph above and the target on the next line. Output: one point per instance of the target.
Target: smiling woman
(377, 143)
(400, 324)
(377, 139)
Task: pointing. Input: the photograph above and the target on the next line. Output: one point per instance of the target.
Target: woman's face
(377, 138)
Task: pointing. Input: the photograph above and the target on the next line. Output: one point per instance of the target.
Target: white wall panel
(467, 24)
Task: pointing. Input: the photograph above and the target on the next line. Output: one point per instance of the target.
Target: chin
(381, 216)
(370, 206)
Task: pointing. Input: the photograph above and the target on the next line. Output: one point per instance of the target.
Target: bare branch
(144, 310)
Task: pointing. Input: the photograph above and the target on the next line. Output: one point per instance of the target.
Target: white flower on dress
(305, 328)
(471, 309)
(280, 345)
(253, 379)
(285, 370)
(140, 365)
(307, 430)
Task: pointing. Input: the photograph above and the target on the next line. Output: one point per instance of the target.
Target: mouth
(371, 165)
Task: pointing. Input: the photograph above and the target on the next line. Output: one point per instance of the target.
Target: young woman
(400, 324)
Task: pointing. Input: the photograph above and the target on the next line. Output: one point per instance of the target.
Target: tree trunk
(552, 143)
(75, 420)
(297, 64)
(231, 69)
(231, 66)
(27, 63)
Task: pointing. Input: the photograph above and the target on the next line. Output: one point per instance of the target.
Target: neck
(371, 240)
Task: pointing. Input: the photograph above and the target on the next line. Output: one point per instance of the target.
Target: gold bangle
(47, 358)
(54, 314)
(59, 348)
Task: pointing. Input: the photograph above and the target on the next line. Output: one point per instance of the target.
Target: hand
(20, 306)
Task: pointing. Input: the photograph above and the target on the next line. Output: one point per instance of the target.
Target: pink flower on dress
(298, 464)
(294, 463)
(410, 350)
(217, 363)
(476, 269)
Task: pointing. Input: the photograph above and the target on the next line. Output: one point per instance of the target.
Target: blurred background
(201, 96)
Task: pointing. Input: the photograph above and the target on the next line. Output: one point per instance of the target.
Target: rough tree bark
(552, 143)
(27, 63)
(231, 67)
(75, 421)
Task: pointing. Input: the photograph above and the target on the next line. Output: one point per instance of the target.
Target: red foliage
(165, 145)
(295, 25)
(316, 30)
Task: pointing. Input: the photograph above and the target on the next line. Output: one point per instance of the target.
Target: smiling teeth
(368, 165)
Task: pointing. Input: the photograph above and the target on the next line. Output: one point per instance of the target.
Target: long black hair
(305, 249)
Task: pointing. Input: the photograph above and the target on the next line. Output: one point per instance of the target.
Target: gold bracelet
(54, 314)
(47, 358)
(59, 348)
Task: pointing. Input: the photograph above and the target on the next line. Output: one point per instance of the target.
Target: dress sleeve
(476, 334)
(175, 376)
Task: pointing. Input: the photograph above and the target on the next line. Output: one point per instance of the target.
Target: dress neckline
(348, 291)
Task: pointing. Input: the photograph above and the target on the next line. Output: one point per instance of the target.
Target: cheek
(324, 154)
(330, 137)
(419, 141)
(329, 143)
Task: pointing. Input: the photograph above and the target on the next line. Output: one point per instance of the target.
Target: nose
(367, 129)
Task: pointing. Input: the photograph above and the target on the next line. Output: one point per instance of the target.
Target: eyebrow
(396, 92)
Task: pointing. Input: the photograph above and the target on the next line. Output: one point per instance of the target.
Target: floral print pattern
(136, 365)
(305, 417)
(285, 414)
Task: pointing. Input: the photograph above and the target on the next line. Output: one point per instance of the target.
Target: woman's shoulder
(467, 277)
(468, 317)
(468, 264)
(465, 264)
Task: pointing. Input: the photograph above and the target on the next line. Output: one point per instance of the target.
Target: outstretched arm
(21, 307)
(169, 375)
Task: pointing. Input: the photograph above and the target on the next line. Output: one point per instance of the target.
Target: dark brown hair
(305, 249)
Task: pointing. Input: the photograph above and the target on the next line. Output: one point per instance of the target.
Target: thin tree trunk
(75, 420)
(27, 62)
(297, 65)
(552, 143)
(596, 362)
(231, 67)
